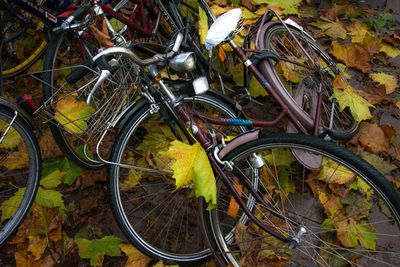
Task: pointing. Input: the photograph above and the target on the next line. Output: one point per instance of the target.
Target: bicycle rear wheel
(344, 211)
(20, 167)
(299, 85)
(160, 221)
(25, 40)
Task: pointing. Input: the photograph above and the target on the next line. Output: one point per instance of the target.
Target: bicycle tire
(287, 78)
(363, 201)
(24, 42)
(157, 220)
(20, 168)
(63, 55)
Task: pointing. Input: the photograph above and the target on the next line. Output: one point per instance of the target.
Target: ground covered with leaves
(71, 222)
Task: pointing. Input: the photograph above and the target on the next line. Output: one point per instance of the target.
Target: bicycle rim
(24, 43)
(299, 85)
(160, 221)
(20, 166)
(347, 213)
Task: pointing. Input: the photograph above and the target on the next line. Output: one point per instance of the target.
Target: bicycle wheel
(20, 167)
(299, 85)
(25, 41)
(342, 212)
(160, 221)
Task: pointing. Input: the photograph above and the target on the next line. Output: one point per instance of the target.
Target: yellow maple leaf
(135, 258)
(12, 138)
(359, 107)
(358, 31)
(191, 164)
(73, 114)
(398, 104)
(203, 25)
(389, 81)
(332, 172)
(333, 29)
(390, 50)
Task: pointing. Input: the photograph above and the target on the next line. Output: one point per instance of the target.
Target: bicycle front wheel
(338, 211)
(298, 79)
(20, 167)
(160, 221)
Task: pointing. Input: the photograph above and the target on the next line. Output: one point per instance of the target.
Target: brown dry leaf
(20, 260)
(376, 95)
(389, 81)
(89, 178)
(333, 12)
(135, 258)
(373, 138)
(353, 56)
(37, 246)
(339, 82)
(48, 146)
(100, 32)
(372, 45)
(217, 10)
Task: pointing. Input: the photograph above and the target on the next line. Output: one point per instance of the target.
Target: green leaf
(97, 248)
(235, 2)
(9, 206)
(70, 171)
(50, 198)
(52, 180)
(191, 164)
(383, 20)
(366, 235)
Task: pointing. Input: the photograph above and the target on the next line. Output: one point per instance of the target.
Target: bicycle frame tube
(146, 28)
(39, 11)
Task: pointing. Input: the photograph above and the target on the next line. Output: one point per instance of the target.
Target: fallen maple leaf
(333, 29)
(135, 258)
(389, 81)
(192, 164)
(354, 55)
(375, 95)
(358, 31)
(72, 114)
(359, 107)
(390, 50)
(373, 138)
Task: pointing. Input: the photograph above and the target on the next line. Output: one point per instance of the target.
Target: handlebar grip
(81, 71)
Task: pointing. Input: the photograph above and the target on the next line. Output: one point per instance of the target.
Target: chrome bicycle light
(200, 85)
(183, 62)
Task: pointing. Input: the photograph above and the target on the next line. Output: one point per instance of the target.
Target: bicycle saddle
(222, 27)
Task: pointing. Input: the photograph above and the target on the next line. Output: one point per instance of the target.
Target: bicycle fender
(238, 141)
(13, 106)
(130, 112)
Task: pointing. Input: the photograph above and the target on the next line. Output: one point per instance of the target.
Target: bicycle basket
(85, 111)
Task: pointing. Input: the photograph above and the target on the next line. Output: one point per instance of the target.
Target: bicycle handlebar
(98, 60)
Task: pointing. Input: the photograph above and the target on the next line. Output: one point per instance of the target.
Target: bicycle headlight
(183, 62)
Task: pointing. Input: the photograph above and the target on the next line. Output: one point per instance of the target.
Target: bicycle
(138, 177)
(282, 47)
(20, 166)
